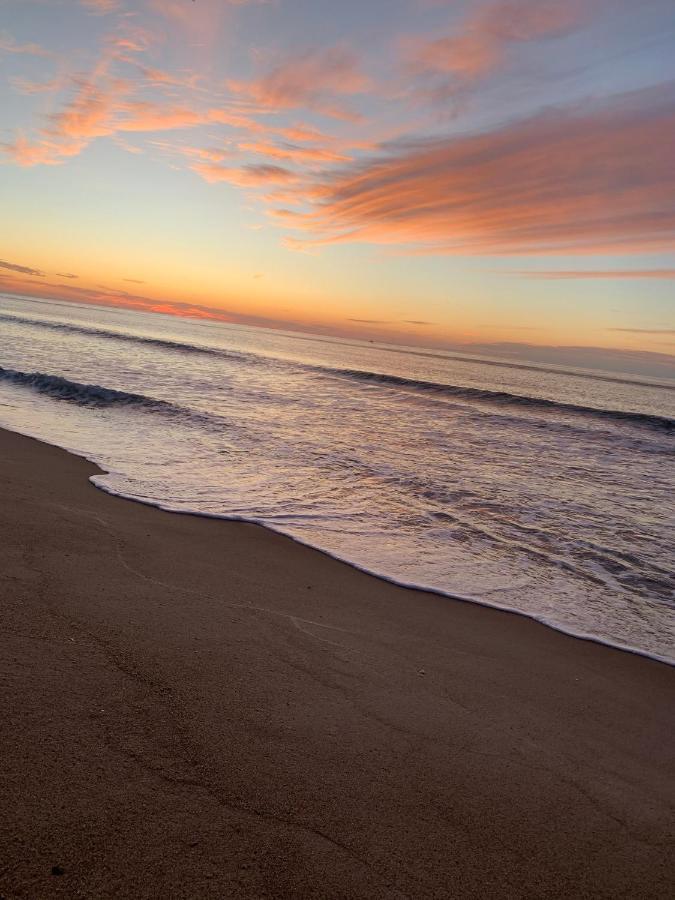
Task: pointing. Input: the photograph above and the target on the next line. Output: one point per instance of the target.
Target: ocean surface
(534, 489)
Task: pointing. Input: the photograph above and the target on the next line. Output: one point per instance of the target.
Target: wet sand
(196, 708)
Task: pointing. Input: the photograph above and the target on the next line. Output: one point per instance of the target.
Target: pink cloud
(25, 86)
(213, 155)
(245, 176)
(105, 111)
(486, 36)
(44, 152)
(102, 296)
(102, 104)
(101, 7)
(168, 79)
(293, 152)
(302, 134)
(563, 181)
(9, 45)
(234, 119)
(92, 111)
(125, 145)
(181, 11)
(89, 114)
(140, 116)
(612, 274)
(313, 80)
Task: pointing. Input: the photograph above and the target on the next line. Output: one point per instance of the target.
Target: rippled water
(539, 490)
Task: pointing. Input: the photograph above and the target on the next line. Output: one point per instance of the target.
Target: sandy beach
(200, 708)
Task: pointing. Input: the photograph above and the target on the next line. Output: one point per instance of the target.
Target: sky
(479, 173)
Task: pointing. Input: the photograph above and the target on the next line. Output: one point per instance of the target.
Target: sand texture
(195, 708)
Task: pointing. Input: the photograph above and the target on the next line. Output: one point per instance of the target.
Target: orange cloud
(44, 152)
(9, 45)
(302, 134)
(644, 330)
(151, 117)
(209, 154)
(167, 79)
(293, 152)
(312, 79)
(102, 104)
(199, 23)
(101, 6)
(89, 114)
(24, 86)
(182, 12)
(234, 119)
(93, 110)
(563, 181)
(102, 296)
(107, 111)
(245, 176)
(487, 35)
(613, 274)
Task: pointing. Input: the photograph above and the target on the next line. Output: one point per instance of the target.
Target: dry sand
(194, 708)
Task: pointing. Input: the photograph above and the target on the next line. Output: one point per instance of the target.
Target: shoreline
(196, 706)
(411, 586)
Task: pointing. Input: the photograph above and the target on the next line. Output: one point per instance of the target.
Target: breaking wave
(93, 395)
(179, 346)
(503, 398)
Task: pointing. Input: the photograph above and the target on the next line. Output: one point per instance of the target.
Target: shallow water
(540, 490)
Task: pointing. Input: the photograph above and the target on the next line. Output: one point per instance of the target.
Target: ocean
(544, 491)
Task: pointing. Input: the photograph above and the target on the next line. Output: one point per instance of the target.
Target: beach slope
(199, 708)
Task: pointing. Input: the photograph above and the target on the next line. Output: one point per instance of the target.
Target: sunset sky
(422, 171)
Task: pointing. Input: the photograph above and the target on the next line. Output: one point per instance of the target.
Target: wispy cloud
(208, 154)
(104, 296)
(613, 274)
(8, 44)
(245, 176)
(295, 152)
(565, 180)
(182, 12)
(644, 330)
(101, 7)
(26, 86)
(105, 104)
(484, 41)
(313, 80)
(23, 270)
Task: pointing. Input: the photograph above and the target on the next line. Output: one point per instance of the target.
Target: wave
(503, 398)
(251, 358)
(480, 395)
(544, 618)
(179, 346)
(92, 395)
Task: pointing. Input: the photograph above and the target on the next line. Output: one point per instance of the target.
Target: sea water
(539, 490)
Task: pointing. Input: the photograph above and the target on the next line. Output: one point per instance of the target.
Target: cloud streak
(23, 270)
(565, 180)
(101, 7)
(611, 274)
(312, 80)
(9, 45)
(245, 176)
(644, 330)
(485, 41)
